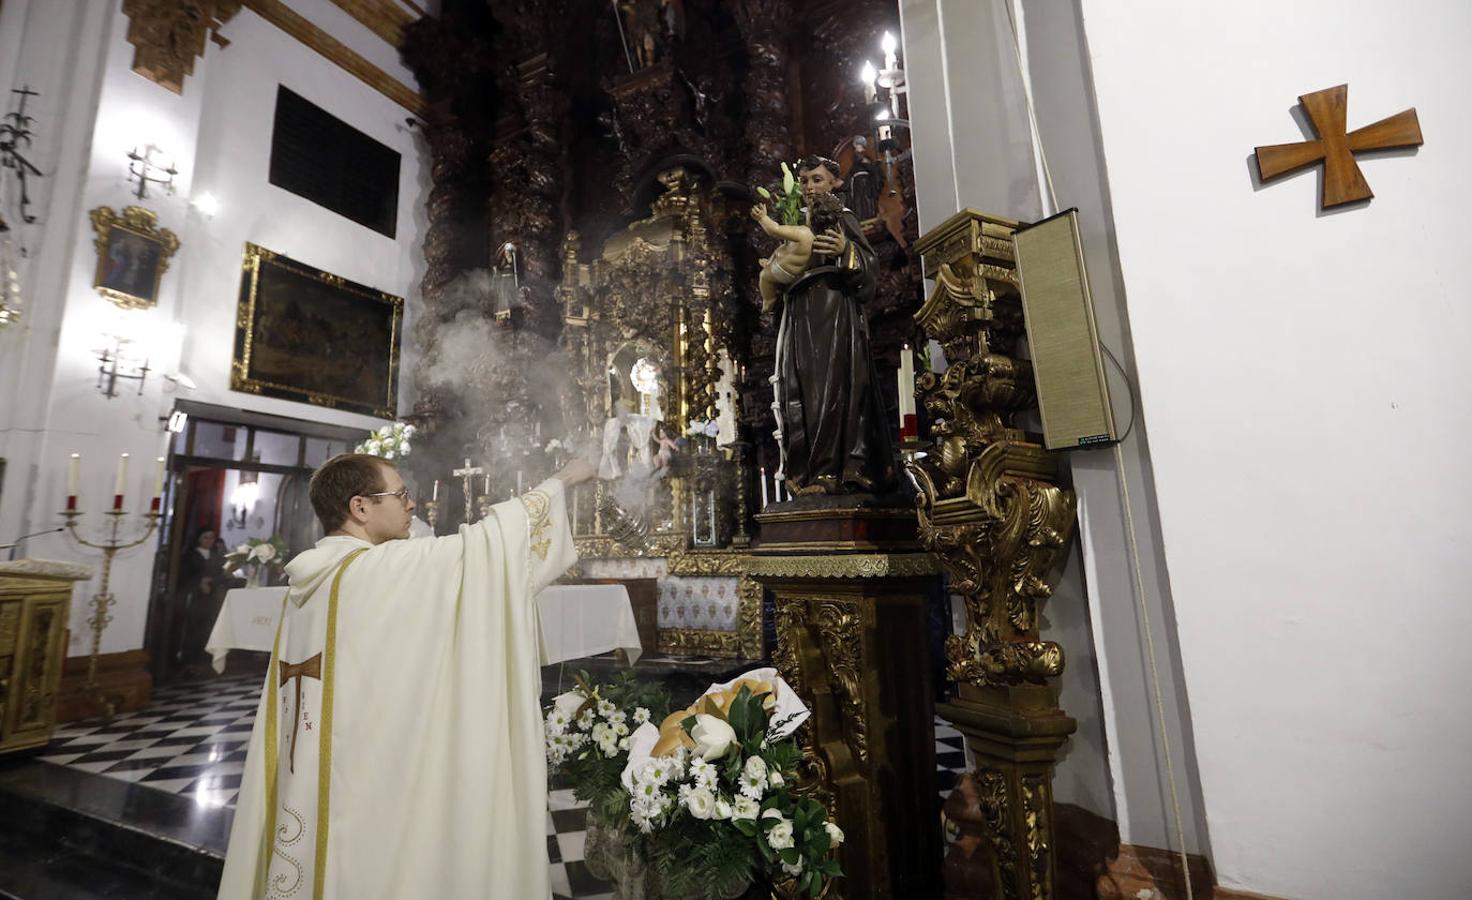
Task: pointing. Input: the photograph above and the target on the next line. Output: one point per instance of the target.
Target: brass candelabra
(103, 600)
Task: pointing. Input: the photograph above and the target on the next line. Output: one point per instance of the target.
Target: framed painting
(308, 335)
(132, 255)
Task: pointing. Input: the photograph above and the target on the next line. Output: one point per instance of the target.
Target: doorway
(234, 477)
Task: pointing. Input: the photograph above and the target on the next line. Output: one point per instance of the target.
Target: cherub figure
(795, 254)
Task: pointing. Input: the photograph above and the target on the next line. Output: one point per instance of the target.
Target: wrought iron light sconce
(141, 164)
(15, 136)
(115, 365)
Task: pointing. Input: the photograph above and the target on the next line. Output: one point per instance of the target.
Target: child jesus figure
(795, 254)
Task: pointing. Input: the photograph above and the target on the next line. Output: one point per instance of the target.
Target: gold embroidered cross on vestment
(311, 668)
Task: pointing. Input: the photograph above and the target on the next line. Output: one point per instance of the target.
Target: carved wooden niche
(169, 35)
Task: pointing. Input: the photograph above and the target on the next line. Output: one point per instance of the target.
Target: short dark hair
(825, 210)
(339, 480)
(814, 161)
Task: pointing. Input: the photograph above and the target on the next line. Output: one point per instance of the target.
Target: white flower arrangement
(702, 428)
(714, 775)
(389, 442)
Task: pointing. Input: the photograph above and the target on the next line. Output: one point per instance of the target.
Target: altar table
(577, 621)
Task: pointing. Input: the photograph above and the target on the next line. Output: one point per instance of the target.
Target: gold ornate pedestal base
(851, 639)
(1014, 735)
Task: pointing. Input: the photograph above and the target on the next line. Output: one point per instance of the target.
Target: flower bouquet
(389, 442)
(789, 202)
(588, 737)
(713, 800)
(256, 558)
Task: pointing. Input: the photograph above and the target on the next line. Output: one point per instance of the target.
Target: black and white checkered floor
(192, 739)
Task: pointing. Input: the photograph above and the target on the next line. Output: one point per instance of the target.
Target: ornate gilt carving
(848, 565)
(169, 35)
(841, 635)
(989, 509)
(996, 812)
(699, 642)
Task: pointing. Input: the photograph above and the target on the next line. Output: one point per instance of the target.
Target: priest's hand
(576, 472)
(830, 243)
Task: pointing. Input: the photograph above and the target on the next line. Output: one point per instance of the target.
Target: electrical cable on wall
(1131, 537)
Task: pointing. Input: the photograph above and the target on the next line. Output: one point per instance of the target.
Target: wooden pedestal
(35, 600)
(852, 641)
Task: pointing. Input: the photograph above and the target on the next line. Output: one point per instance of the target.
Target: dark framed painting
(308, 335)
(132, 255)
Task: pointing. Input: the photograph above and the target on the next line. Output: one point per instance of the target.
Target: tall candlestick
(158, 488)
(122, 480)
(73, 479)
(909, 425)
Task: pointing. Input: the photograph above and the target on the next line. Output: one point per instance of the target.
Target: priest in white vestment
(398, 748)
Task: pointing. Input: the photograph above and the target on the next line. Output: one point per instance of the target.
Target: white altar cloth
(577, 620)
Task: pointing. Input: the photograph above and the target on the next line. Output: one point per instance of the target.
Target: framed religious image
(308, 335)
(132, 255)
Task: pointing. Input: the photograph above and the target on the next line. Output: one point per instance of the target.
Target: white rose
(772, 814)
(775, 779)
(265, 552)
(745, 808)
(723, 809)
(780, 837)
(756, 767)
(701, 803)
(793, 868)
(713, 737)
(835, 834)
(568, 703)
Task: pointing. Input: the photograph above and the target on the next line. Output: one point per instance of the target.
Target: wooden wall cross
(1343, 181)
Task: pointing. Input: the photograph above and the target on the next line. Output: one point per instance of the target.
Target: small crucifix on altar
(467, 477)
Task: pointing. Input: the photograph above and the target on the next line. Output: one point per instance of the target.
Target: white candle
(908, 425)
(435, 494)
(889, 45)
(158, 487)
(762, 477)
(868, 75)
(122, 480)
(73, 479)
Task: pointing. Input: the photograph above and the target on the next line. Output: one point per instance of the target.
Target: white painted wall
(219, 132)
(1305, 377)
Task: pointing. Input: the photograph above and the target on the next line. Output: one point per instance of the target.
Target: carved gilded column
(992, 514)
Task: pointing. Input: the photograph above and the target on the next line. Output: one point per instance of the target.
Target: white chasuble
(398, 750)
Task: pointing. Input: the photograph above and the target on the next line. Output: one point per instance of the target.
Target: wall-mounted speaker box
(1073, 395)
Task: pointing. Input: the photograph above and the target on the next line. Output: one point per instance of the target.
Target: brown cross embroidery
(311, 668)
(1343, 181)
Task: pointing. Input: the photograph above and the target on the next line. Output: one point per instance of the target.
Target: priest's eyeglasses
(402, 494)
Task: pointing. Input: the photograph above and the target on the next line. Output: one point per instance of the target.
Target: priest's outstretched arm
(529, 533)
